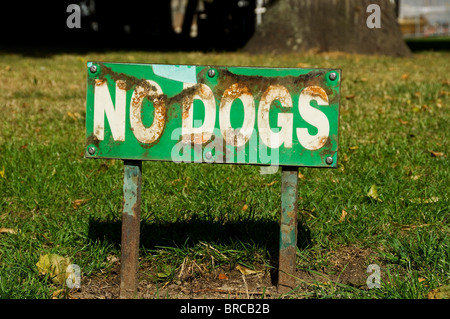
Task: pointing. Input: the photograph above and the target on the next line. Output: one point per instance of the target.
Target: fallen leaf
(271, 183)
(437, 154)
(421, 279)
(301, 176)
(247, 271)
(55, 266)
(405, 76)
(408, 227)
(373, 193)
(8, 230)
(442, 292)
(58, 292)
(223, 277)
(403, 122)
(350, 96)
(75, 116)
(8, 68)
(302, 65)
(78, 202)
(342, 218)
(353, 148)
(446, 82)
(419, 200)
(444, 92)
(245, 207)
(2, 172)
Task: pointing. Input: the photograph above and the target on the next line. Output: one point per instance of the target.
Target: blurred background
(180, 24)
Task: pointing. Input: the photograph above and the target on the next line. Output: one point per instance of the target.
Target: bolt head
(208, 155)
(211, 73)
(91, 150)
(329, 160)
(93, 68)
(333, 76)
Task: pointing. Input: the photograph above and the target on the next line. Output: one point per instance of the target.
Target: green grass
(394, 112)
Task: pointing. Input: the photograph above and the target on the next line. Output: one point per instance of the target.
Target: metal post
(288, 228)
(131, 218)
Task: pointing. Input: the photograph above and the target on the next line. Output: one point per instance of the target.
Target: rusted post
(288, 228)
(131, 218)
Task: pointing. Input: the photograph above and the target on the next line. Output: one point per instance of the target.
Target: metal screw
(211, 73)
(91, 150)
(329, 160)
(333, 76)
(208, 155)
(93, 68)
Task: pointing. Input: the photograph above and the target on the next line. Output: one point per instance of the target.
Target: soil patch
(347, 265)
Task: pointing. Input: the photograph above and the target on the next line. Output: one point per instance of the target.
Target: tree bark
(328, 25)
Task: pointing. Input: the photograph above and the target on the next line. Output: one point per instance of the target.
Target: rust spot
(200, 138)
(235, 91)
(316, 91)
(100, 82)
(121, 85)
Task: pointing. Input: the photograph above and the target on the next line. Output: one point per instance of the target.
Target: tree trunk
(328, 25)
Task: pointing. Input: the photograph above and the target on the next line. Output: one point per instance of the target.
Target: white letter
(103, 104)
(374, 20)
(198, 135)
(150, 134)
(74, 278)
(314, 117)
(285, 120)
(374, 279)
(75, 17)
(237, 137)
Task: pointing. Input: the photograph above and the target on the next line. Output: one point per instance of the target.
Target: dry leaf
(444, 92)
(55, 266)
(2, 172)
(223, 277)
(342, 218)
(437, 154)
(403, 122)
(408, 227)
(301, 176)
(245, 207)
(247, 271)
(373, 193)
(421, 279)
(74, 116)
(78, 202)
(8, 230)
(271, 183)
(350, 96)
(442, 292)
(405, 76)
(430, 200)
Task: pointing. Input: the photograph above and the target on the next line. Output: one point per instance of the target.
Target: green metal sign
(213, 114)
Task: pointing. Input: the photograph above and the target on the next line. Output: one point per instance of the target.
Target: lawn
(212, 230)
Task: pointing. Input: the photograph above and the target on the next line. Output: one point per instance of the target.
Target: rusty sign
(213, 114)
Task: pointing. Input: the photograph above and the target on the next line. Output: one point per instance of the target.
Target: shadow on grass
(260, 233)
